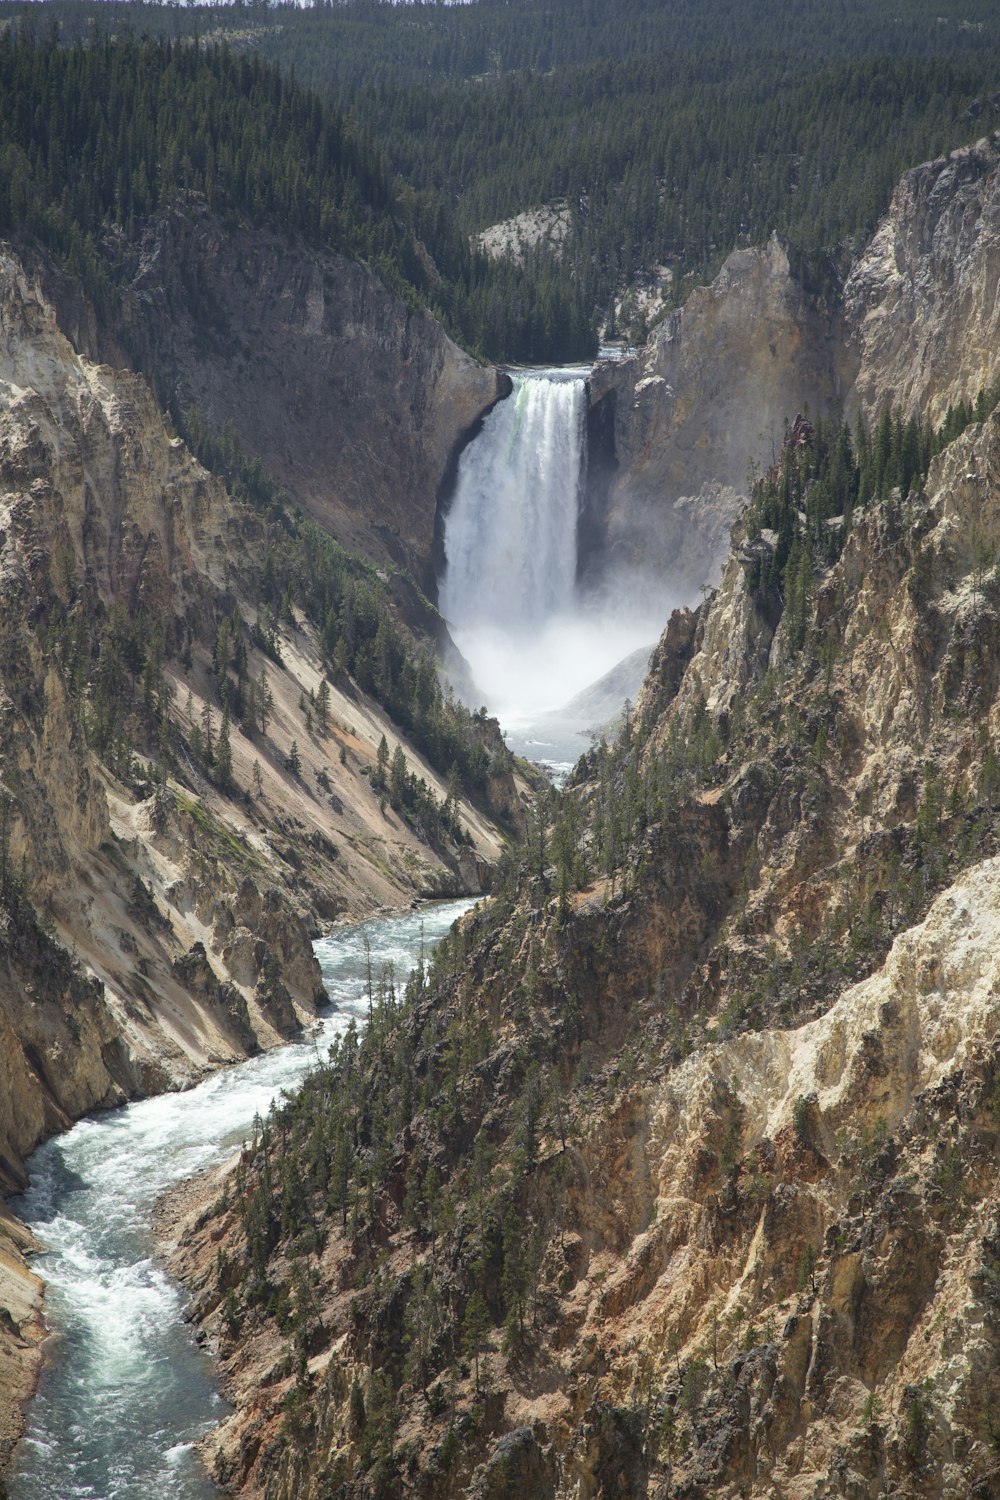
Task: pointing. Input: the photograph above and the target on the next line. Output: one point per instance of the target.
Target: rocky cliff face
(349, 398)
(703, 403)
(104, 510)
(921, 302)
(915, 329)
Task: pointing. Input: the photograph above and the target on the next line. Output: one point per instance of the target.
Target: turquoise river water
(127, 1391)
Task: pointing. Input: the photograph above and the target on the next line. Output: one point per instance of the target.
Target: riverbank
(22, 1332)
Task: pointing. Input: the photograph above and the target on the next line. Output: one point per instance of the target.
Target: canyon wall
(350, 399)
(760, 1202)
(921, 302)
(703, 404)
(103, 510)
(157, 922)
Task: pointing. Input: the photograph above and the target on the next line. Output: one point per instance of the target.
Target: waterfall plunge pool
(126, 1391)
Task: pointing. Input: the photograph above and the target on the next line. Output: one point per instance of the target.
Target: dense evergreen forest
(672, 132)
(99, 134)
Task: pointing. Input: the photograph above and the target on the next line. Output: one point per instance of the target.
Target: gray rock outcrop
(922, 302)
(704, 402)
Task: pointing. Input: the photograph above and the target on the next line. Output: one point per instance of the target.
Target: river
(126, 1390)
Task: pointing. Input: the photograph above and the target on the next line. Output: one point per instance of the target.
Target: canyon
(761, 1180)
(158, 929)
(697, 1194)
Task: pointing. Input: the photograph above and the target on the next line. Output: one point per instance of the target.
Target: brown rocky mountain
(678, 1176)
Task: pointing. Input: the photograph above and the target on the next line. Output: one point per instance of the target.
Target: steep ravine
(730, 1217)
(156, 924)
(675, 1175)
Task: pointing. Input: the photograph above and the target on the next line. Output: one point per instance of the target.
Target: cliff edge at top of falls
(191, 785)
(350, 399)
(677, 1177)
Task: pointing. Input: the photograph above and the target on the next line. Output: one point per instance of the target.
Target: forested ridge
(100, 134)
(672, 132)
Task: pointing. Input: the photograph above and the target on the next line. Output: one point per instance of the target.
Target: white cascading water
(509, 586)
(510, 537)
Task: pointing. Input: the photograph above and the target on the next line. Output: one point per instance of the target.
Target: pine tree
(224, 754)
(265, 701)
(475, 1329)
(323, 706)
(207, 734)
(397, 778)
(381, 765)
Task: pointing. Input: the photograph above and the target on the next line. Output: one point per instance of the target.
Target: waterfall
(510, 536)
(529, 638)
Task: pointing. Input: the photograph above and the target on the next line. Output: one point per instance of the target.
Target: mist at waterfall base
(529, 680)
(533, 640)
